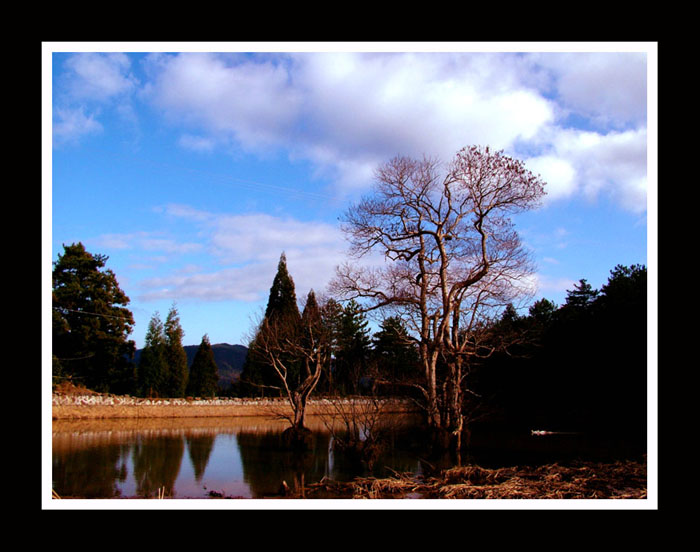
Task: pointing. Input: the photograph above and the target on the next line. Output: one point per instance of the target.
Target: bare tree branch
(452, 258)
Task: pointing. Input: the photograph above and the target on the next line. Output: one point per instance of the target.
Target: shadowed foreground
(585, 480)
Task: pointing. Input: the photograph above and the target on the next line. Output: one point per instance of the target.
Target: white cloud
(70, 124)
(147, 242)
(249, 247)
(607, 86)
(613, 164)
(558, 174)
(91, 83)
(257, 236)
(591, 165)
(99, 77)
(347, 112)
(197, 143)
(547, 284)
(238, 284)
(252, 102)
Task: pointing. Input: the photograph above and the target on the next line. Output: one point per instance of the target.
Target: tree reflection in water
(144, 459)
(91, 473)
(295, 468)
(157, 461)
(199, 447)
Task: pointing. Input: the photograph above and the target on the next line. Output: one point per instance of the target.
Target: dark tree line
(581, 366)
(162, 369)
(91, 325)
(584, 365)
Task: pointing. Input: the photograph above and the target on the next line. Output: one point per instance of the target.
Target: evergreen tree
(352, 349)
(152, 368)
(91, 323)
(204, 373)
(175, 355)
(620, 367)
(581, 297)
(282, 307)
(282, 301)
(542, 311)
(310, 320)
(396, 356)
(332, 315)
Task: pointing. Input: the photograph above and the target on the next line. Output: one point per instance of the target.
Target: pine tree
(175, 355)
(152, 368)
(582, 296)
(395, 354)
(204, 373)
(91, 323)
(282, 301)
(542, 311)
(352, 349)
(281, 308)
(332, 315)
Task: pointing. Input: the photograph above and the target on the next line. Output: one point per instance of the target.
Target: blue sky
(192, 171)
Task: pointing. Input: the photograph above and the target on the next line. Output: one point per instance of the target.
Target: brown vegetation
(586, 480)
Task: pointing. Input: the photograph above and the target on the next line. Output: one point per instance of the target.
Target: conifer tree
(91, 323)
(353, 349)
(395, 354)
(175, 355)
(581, 297)
(282, 308)
(204, 373)
(298, 356)
(282, 301)
(332, 315)
(152, 368)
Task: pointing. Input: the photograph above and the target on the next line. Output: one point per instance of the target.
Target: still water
(190, 458)
(244, 457)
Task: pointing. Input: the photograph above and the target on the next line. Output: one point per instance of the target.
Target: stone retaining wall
(97, 406)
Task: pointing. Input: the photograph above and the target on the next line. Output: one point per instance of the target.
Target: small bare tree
(298, 355)
(452, 261)
(358, 425)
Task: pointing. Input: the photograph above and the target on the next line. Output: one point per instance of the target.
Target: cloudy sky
(194, 170)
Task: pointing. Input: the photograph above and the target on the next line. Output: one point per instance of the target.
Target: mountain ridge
(229, 360)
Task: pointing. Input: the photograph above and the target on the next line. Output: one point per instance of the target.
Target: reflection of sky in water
(104, 460)
(107, 459)
(223, 473)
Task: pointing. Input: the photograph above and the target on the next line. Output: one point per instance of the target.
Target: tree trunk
(299, 406)
(297, 437)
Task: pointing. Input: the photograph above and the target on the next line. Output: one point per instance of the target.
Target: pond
(244, 458)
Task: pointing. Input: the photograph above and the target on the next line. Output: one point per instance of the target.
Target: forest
(449, 335)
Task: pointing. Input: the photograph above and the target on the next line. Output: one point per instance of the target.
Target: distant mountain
(229, 359)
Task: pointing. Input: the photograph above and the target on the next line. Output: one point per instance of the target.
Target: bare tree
(452, 261)
(298, 354)
(358, 425)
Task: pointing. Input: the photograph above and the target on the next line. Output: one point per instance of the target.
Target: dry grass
(620, 480)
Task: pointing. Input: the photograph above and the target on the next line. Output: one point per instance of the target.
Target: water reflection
(199, 447)
(191, 458)
(156, 463)
(245, 457)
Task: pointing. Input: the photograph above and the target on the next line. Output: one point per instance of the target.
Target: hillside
(229, 359)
